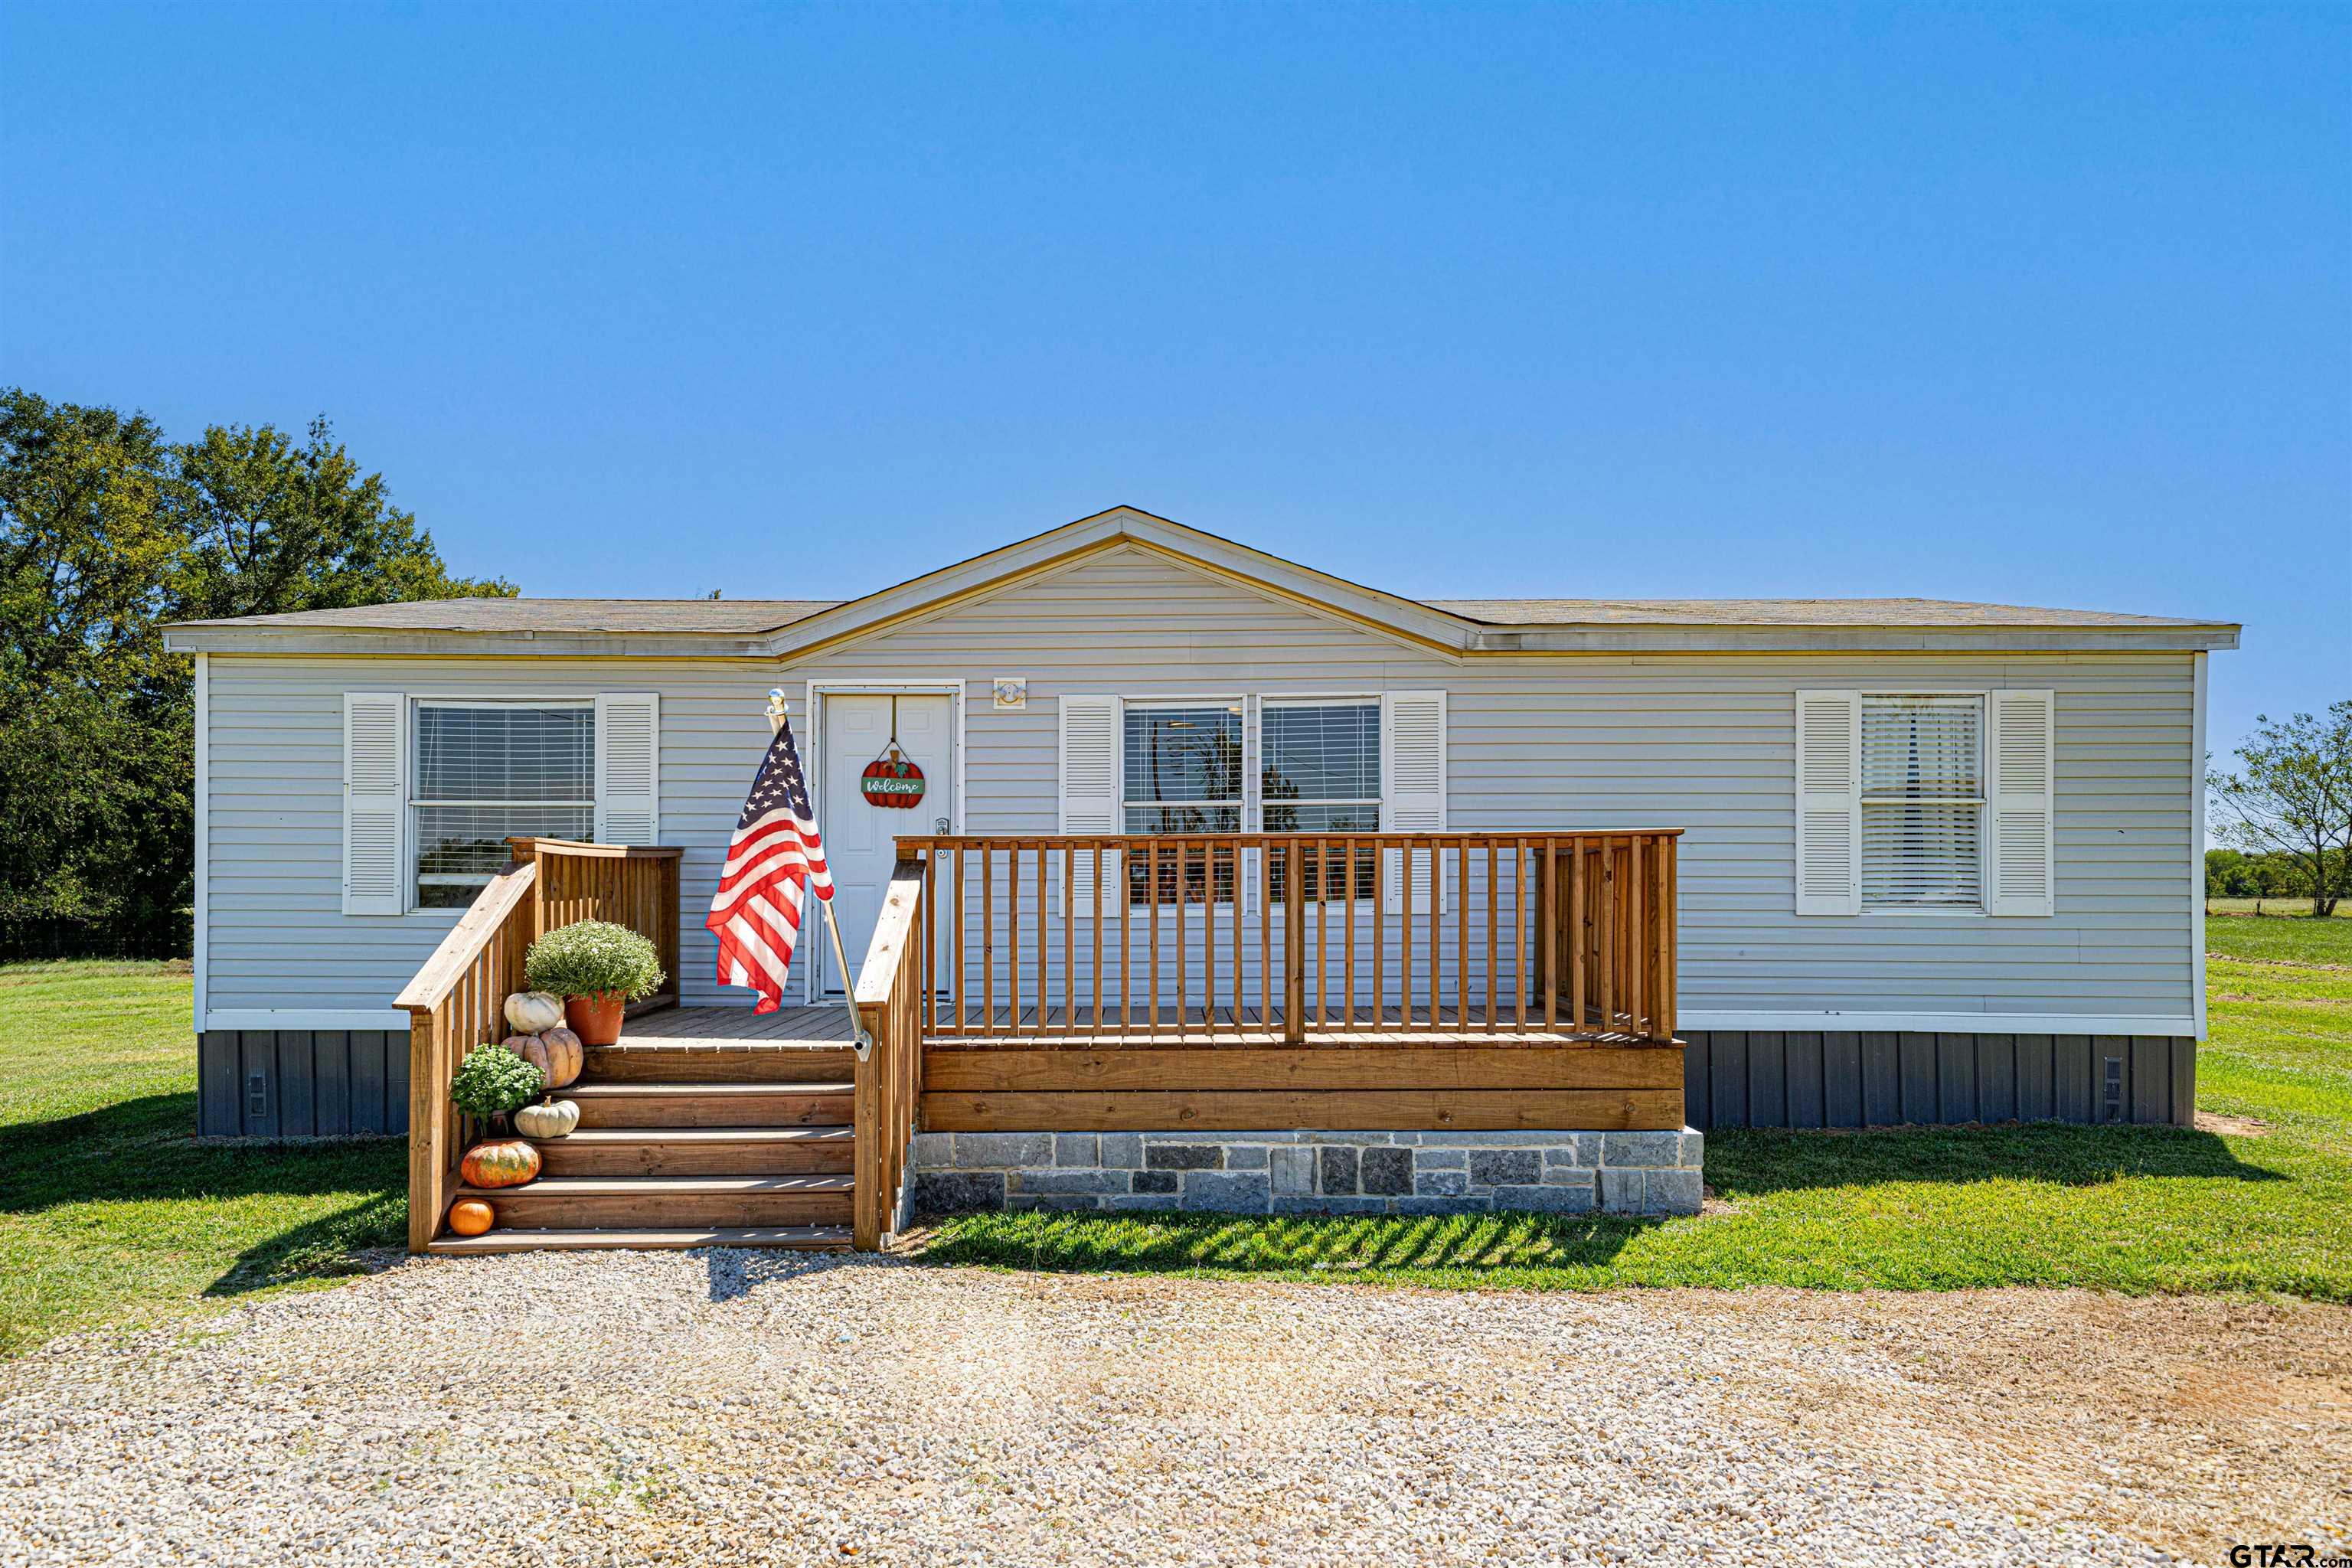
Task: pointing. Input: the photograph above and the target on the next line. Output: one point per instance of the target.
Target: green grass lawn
(111, 1213)
(2135, 1209)
(109, 1210)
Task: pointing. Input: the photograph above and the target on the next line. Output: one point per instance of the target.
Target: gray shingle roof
(743, 617)
(1781, 613)
(708, 616)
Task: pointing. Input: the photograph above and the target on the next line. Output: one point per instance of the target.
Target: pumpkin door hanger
(892, 781)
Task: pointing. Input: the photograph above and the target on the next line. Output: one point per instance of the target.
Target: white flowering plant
(593, 958)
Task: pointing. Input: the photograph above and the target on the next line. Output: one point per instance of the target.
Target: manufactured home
(1214, 881)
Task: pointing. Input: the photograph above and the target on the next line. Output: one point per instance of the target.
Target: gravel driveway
(734, 1407)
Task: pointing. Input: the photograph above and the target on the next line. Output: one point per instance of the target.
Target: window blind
(487, 771)
(1321, 773)
(506, 753)
(1922, 801)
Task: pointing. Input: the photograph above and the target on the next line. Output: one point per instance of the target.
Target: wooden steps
(583, 1203)
(768, 1103)
(806, 1238)
(717, 1064)
(699, 1152)
(689, 1145)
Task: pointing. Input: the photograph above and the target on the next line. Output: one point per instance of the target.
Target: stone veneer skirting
(1311, 1173)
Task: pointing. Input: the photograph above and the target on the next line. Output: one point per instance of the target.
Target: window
(1922, 802)
(486, 772)
(1182, 771)
(1321, 773)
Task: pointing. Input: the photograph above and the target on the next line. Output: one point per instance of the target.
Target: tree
(86, 554)
(107, 532)
(2291, 797)
(2226, 875)
(271, 526)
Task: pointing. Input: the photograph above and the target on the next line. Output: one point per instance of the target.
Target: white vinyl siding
(1707, 743)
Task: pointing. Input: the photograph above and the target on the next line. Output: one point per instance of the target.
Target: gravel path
(733, 1407)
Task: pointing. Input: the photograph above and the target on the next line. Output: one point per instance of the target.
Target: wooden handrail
(458, 1000)
(889, 1079)
(525, 849)
(475, 929)
(1528, 931)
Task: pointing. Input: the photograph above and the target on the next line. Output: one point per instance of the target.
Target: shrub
(495, 1082)
(591, 958)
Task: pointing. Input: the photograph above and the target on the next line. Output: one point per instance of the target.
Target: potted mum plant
(598, 968)
(490, 1086)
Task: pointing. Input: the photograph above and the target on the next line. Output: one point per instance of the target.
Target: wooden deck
(707, 1028)
(1544, 1000)
(826, 1024)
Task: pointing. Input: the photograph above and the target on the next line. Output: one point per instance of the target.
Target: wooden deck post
(1294, 943)
(428, 1137)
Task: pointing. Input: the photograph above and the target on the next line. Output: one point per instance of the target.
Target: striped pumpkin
(499, 1163)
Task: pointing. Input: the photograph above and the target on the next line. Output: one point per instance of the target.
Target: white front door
(858, 834)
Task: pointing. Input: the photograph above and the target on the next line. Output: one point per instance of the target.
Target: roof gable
(1126, 526)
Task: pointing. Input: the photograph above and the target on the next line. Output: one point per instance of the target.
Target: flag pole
(859, 1037)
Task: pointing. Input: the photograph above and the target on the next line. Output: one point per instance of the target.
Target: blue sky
(2047, 305)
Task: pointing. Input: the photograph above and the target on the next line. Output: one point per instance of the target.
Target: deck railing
(889, 1074)
(457, 1001)
(1285, 935)
(633, 885)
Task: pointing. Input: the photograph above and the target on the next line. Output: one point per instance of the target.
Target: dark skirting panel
(303, 1083)
(1750, 1078)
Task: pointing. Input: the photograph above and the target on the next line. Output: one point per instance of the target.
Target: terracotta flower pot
(596, 1019)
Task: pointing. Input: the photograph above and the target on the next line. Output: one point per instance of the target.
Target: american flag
(757, 910)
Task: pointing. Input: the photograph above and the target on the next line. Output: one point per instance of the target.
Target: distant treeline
(2230, 874)
(107, 531)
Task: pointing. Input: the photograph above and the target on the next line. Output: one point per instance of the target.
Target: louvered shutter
(1829, 803)
(2020, 810)
(1089, 781)
(1413, 785)
(628, 767)
(375, 802)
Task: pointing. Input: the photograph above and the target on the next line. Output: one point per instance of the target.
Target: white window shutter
(375, 803)
(1829, 803)
(1413, 781)
(628, 767)
(1089, 782)
(2020, 810)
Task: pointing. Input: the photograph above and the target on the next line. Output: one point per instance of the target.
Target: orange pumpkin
(499, 1163)
(556, 1054)
(470, 1216)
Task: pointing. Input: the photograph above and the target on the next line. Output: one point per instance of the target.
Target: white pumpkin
(534, 1012)
(552, 1119)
